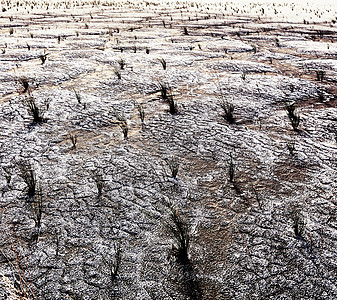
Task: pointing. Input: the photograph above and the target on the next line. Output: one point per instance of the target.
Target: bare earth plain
(167, 150)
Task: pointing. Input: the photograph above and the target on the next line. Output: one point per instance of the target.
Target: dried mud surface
(104, 230)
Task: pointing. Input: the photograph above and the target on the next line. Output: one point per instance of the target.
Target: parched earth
(167, 150)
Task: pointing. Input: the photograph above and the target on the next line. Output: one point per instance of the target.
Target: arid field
(168, 150)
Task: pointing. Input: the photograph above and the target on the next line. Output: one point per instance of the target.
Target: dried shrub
(25, 84)
(34, 110)
(228, 109)
(293, 116)
(166, 95)
(43, 58)
(173, 164)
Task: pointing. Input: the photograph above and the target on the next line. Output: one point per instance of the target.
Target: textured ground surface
(269, 232)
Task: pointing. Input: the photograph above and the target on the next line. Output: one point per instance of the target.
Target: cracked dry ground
(256, 197)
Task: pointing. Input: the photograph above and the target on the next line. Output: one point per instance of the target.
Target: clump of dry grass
(141, 114)
(163, 63)
(34, 110)
(43, 58)
(122, 123)
(173, 164)
(167, 96)
(118, 73)
(228, 109)
(121, 63)
(293, 116)
(73, 139)
(27, 173)
(23, 80)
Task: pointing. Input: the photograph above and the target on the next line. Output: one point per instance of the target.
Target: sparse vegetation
(185, 31)
(228, 109)
(291, 147)
(78, 96)
(43, 58)
(167, 96)
(320, 74)
(34, 110)
(141, 113)
(114, 264)
(173, 164)
(121, 63)
(180, 232)
(293, 116)
(227, 199)
(98, 179)
(163, 63)
(7, 172)
(277, 42)
(122, 123)
(118, 73)
(24, 83)
(172, 105)
(164, 90)
(73, 139)
(298, 223)
(178, 229)
(125, 129)
(231, 171)
(27, 173)
(37, 207)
